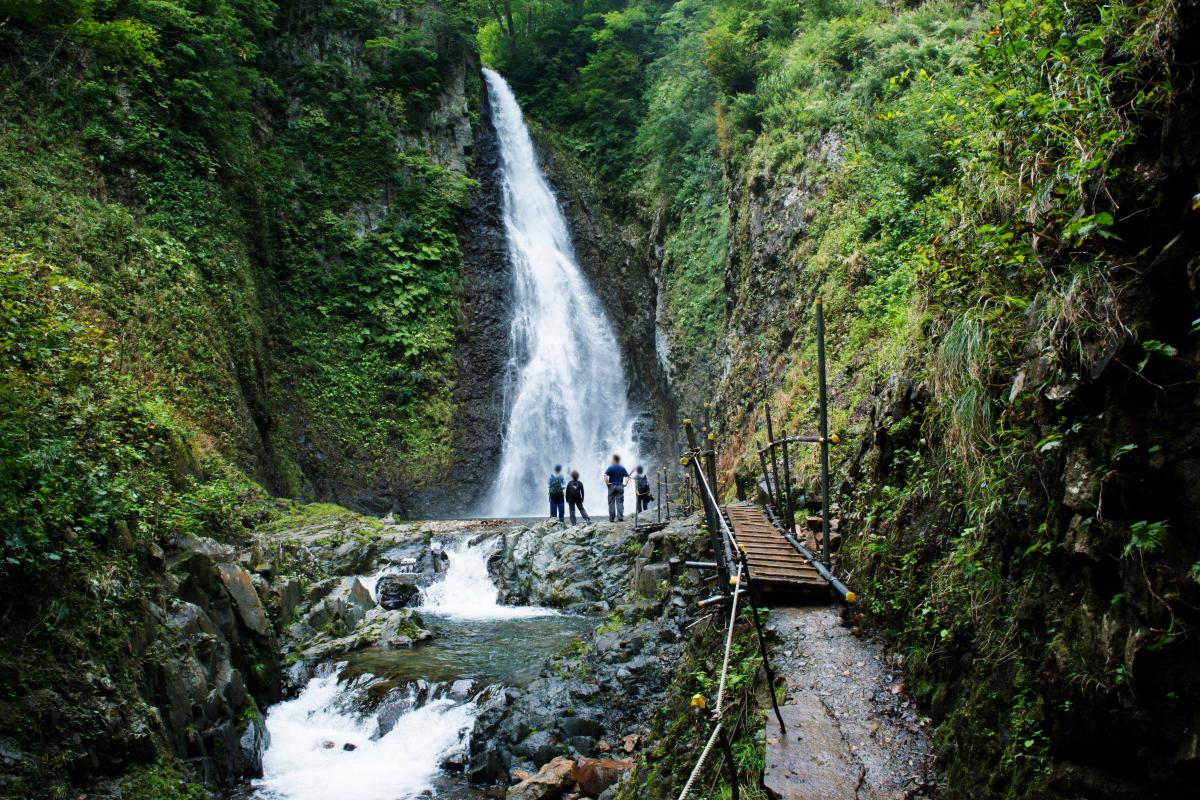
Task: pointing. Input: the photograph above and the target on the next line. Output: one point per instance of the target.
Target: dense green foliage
(951, 180)
(246, 188)
(228, 260)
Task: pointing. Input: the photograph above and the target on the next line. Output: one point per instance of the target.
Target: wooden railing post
(789, 512)
(774, 462)
(762, 460)
(823, 412)
(714, 529)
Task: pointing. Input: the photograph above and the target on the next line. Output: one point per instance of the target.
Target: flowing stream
(565, 390)
(382, 724)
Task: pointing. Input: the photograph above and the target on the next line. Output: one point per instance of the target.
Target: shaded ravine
(565, 389)
(392, 724)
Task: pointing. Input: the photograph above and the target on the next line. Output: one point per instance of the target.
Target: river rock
(398, 591)
(539, 747)
(254, 741)
(594, 775)
(245, 598)
(649, 576)
(578, 697)
(550, 781)
(399, 628)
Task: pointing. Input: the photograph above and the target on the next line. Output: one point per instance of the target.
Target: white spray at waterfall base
(565, 391)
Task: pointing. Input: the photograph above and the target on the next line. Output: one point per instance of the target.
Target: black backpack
(643, 484)
(556, 486)
(573, 491)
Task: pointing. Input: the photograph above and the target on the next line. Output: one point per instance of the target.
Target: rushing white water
(565, 391)
(399, 765)
(402, 763)
(467, 591)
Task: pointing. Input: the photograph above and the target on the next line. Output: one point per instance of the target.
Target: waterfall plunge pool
(395, 724)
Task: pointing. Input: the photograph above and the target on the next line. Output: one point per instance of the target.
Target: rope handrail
(687, 787)
(718, 710)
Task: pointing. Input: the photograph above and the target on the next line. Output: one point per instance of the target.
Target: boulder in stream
(551, 781)
(398, 590)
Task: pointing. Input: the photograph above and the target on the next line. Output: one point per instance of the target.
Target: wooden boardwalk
(773, 561)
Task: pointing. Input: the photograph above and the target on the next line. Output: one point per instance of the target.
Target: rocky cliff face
(482, 341)
(1037, 578)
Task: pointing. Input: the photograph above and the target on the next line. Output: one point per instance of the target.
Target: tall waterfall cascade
(566, 397)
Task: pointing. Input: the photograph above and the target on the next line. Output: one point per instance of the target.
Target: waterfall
(468, 592)
(565, 391)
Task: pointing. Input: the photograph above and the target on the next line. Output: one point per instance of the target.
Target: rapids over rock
(478, 690)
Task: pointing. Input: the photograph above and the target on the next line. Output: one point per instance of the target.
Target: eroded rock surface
(853, 731)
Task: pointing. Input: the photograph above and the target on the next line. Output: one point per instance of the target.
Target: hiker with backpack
(557, 486)
(641, 485)
(615, 478)
(575, 497)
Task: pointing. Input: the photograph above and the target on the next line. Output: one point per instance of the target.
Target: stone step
(811, 761)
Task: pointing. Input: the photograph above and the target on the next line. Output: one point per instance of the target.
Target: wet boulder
(551, 781)
(539, 747)
(245, 598)
(378, 628)
(398, 591)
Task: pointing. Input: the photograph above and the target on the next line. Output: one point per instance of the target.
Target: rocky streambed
(338, 656)
(459, 659)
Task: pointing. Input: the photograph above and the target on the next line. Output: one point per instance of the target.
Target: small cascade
(566, 397)
(326, 744)
(468, 592)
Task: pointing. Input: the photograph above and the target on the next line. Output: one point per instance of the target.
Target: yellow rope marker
(684, 461)
(708, 405)
(698, 701)
(711, 437)
(687, 422)
(835, 438)
(851, 597)
(733, 581)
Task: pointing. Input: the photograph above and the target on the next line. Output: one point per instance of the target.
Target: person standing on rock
(575, 497)
(641, 486)
(557, 486)
(616, 477)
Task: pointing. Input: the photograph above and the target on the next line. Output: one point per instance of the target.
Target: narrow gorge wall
(1017, 483)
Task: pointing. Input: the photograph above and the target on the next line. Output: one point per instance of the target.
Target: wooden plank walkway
(773, 561)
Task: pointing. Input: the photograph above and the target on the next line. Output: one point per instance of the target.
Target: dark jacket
(575, 492)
